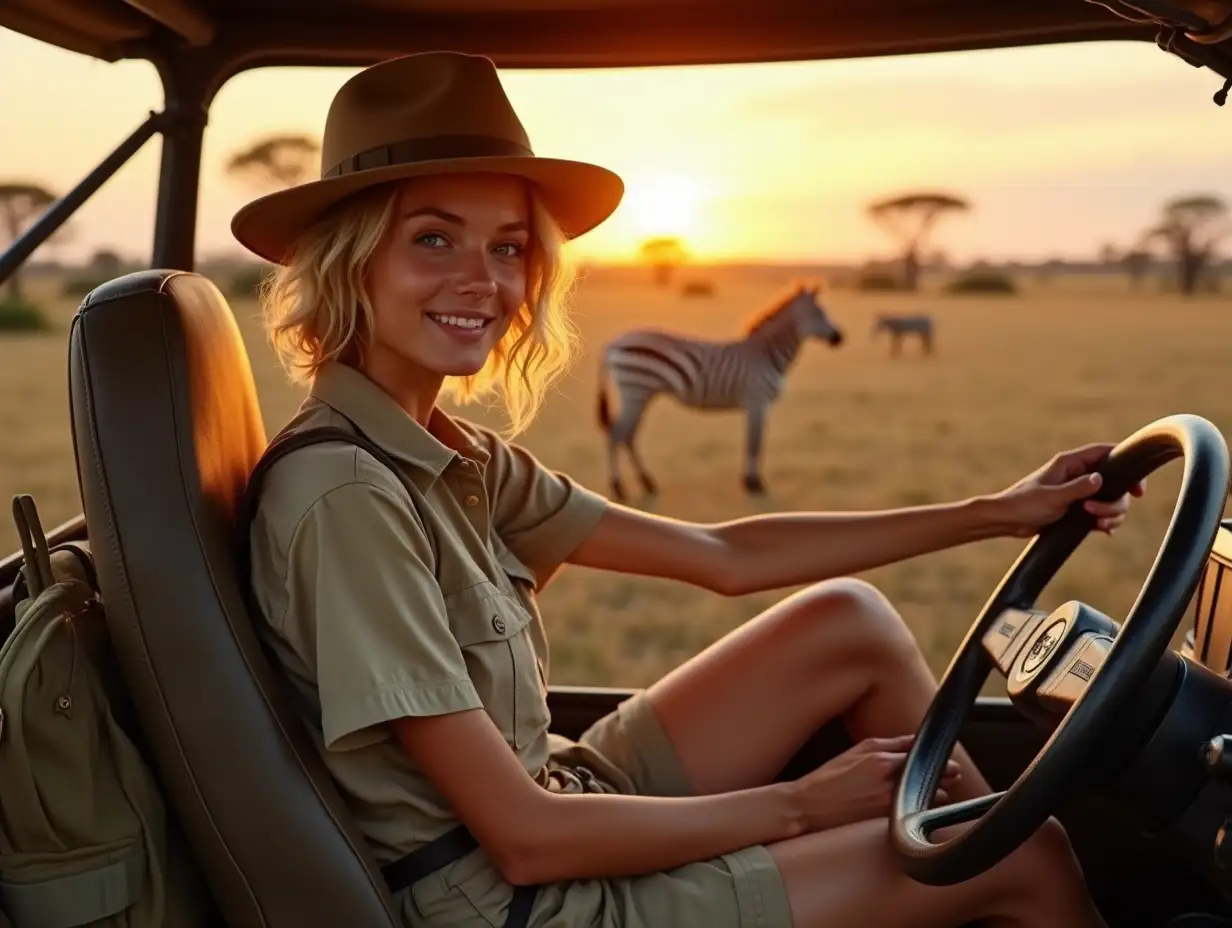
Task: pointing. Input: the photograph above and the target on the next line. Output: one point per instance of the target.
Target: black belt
(455, 844)
(441, 852)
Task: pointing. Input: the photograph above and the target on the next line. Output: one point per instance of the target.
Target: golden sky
(1060, 148)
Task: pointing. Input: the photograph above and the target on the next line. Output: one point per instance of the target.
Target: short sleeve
(364, 606)
(541, 515)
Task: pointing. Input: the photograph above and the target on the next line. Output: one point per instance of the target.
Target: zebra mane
(758, 319)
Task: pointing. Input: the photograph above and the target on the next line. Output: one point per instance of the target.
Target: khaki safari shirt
(382, 605)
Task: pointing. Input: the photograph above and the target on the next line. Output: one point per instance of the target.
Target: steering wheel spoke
(1004, 638)
(922, 824)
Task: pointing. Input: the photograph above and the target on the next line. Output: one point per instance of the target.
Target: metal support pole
(187, 94)
(59, 211)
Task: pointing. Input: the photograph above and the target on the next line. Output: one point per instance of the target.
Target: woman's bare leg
(848, 878)
(739, 710)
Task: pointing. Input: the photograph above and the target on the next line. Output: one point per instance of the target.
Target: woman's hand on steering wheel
(859, 784)
(1044, 495)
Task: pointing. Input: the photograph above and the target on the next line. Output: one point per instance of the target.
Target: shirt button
(472, 500)
(498, 624)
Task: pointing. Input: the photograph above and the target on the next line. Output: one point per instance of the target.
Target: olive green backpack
(85, 838)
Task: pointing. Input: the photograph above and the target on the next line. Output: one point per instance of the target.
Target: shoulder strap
(36, 558)
(284, 445)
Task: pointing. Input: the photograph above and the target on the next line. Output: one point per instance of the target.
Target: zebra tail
(604, 411)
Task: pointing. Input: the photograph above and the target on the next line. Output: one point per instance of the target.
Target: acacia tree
(910, 218)
(664, 255)
(1191, 228)
(106, 262)
(276, 161)
(21, 202)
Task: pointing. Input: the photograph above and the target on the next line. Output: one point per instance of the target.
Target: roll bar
(181, 123)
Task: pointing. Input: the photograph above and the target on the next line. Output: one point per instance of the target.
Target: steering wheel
(1073, 663)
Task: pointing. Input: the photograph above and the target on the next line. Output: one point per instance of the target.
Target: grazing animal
(898, 326)
(744, 373)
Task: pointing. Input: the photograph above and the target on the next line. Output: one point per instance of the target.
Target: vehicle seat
(166, 428)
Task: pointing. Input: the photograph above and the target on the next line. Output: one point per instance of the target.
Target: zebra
(919, 325)
(745, 373)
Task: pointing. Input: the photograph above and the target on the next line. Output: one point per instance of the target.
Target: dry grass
(1014, 380)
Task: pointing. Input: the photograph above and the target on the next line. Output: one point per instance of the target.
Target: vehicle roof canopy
(553, 33)
(197, 45)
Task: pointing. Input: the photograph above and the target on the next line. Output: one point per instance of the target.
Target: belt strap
(519, 909)
(453, 845)
(441, 852)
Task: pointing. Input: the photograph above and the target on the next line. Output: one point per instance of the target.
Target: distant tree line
(1188, 233)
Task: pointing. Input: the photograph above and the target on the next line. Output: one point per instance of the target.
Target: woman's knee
(1046, 859)
(855, 616)
(1049, 849)
(1038, 878)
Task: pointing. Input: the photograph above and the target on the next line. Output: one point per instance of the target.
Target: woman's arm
(775, 550)
(536, 836)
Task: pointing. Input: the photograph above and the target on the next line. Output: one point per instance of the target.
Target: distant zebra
(746, 373)
(898, 326)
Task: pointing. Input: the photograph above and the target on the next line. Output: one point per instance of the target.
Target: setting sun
(664, 204)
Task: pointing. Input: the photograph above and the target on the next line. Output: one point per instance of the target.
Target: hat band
(430, 148)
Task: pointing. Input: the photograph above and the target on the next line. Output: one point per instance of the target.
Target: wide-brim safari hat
(428, 113)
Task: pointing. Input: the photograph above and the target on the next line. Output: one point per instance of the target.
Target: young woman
(401, 601)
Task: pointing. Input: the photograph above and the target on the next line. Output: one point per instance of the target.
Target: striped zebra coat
(746, 373)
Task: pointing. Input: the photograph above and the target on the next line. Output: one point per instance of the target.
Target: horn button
(1045, 643)
(1059, 654)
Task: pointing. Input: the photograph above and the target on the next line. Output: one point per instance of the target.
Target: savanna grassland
(1014, 379)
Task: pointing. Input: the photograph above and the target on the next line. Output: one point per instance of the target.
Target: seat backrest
(166, 428)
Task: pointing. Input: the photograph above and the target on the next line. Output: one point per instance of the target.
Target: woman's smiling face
(451, 273)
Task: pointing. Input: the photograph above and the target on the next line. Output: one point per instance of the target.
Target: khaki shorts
(739, 890)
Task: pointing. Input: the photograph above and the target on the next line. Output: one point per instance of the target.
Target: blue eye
(428, 239)
(514, 249)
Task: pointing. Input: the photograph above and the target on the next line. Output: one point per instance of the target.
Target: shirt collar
(375, 413)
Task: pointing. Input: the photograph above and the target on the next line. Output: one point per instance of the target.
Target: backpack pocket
(74, 887)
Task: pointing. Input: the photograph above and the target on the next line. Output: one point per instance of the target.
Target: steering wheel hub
(1042, 647)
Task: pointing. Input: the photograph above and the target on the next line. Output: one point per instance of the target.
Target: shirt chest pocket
(492, 629)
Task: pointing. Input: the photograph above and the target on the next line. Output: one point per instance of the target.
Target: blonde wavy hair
(316, 307)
